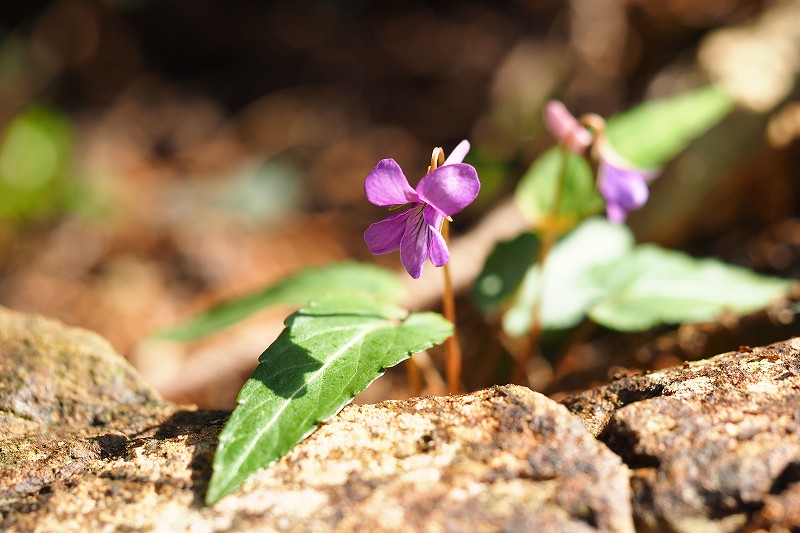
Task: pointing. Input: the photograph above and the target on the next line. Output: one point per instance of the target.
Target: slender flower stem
(414, 378)
(549, 236)
(452, 350)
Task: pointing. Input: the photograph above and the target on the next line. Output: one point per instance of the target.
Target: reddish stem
(452, 350)
(549, 236)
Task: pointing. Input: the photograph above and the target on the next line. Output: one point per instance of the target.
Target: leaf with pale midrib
(595, 270)
(654, 286)
(328, 353)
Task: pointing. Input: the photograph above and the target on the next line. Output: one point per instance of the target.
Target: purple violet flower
(416, 231)
(623, 185)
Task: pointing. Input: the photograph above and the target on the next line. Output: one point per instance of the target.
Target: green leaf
(328, 353)
(579, 197)
(504, 270)
(357, 280)
(654, 286)
(652, 133)
(33, 158)
(568, 288)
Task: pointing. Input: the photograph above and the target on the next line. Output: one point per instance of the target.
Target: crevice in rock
(718, 510)
(624, 441)
(789, 475)
(111, 445)
(624, 445)
(628, 396)
(189, 423)
(597, 406)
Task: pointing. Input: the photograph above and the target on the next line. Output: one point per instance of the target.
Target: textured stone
(51, 374)
(89, 448)
(714, 444)
(504, 458)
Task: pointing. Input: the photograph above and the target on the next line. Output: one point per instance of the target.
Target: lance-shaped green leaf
(652, 133)
(328, 353)
(357, 280)
(648, 135)
(653, 286)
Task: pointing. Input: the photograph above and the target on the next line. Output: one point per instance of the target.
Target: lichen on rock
(52, 374)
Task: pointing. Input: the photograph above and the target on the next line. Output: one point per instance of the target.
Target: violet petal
(624, 189)
(433, 217)
(615, 213)
(387, 185)
(384, 236)
(449, 189)
(414, 244)
(437, 248)
(565, 128)
(458, 154)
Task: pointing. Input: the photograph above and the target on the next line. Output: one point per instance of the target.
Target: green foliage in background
(579, 198)
(34, 154)
(352, 279)
(652, 133)
(567, 288)
(653, 286)
(504, 270)
(596, 271)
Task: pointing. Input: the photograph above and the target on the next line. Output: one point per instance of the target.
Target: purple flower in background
(416, 231)
(623, 185)
(564, 127)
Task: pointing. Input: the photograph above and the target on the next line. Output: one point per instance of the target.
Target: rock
(66, 399)
(54, 375)
(714, 445)
(85, 446)
(505, 459)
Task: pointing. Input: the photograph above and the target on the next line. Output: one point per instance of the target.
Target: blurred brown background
(161, 155)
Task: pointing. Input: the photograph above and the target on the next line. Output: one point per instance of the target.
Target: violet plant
(571, 266)
(421, 231)
(351, 329)
(622, 184)
(583, 267)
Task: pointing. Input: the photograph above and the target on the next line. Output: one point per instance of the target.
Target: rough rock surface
(714, 445)
(84, 446)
